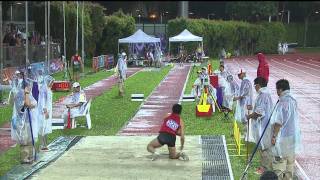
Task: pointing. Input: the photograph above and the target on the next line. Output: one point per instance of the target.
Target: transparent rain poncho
(226, 91)
(263, 106)
(45, 102)
(20, 126)
(122, 67)
(288, 141)
(246, 92)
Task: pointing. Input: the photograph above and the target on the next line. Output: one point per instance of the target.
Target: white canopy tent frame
(186, 36)
(138, 37)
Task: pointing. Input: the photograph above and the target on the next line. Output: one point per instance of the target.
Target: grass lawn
(309, 50)
(216, 125)
(6, 112)
(109, 112)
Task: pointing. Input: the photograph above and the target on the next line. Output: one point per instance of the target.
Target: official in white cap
(76, 106)
(245, 99)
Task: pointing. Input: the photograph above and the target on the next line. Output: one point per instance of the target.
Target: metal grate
(215, 165)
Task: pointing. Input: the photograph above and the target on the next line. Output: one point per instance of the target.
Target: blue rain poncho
(45, 102)
(20, 126)
(288, 141)
(263, 106)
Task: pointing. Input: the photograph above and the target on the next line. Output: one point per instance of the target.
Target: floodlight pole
(82, 39)
(27, 41)
(77, 27)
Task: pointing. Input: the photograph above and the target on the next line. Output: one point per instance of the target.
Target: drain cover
(216, 164)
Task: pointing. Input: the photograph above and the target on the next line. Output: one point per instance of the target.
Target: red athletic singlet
(171, 124)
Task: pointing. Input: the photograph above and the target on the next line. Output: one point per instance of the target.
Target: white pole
(169, 49)
(288, 17)
(46, 30)
(82, 30)
(27, 43)
(77, 27)
(1, 50)
(64, 32)
(49, 39)
(269, 18)
(11, 13)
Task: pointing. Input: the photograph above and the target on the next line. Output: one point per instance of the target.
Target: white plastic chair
(86, 113)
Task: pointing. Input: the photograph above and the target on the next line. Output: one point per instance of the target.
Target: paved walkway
(91, 91)
(148, 119)
(303, 73)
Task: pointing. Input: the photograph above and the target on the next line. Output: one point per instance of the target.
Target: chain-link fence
(14, 56)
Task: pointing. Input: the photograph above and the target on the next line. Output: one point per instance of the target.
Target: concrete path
(303, 73)
(122, 157)
(148, 119)
(91, 91)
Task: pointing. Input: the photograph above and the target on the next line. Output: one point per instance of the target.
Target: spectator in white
(245, 101)
(76, 106)
(122, 72)
(261, 114)
(45, 111)
(151, 58)
(197, 87)
(280, 48)
(286, 132)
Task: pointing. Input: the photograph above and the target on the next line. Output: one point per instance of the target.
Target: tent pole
(169, 49)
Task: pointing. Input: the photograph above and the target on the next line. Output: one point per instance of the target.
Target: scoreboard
(61, 86)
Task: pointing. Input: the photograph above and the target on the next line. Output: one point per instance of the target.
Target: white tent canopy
(185, 36)
(139, 37)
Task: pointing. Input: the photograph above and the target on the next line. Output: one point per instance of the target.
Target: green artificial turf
(109, 112)
(216, 125)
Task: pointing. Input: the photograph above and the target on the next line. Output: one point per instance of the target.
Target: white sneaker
(155, 156)
(184, 156)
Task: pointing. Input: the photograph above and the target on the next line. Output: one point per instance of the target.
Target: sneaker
(184, 156)
(154, 156)
(260, 170)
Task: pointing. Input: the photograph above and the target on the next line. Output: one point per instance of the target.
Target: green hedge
(231, 35)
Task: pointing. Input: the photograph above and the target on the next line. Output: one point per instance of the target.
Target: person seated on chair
(78, 99)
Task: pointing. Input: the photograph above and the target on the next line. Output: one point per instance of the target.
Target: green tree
(251, 11)
(117, 26)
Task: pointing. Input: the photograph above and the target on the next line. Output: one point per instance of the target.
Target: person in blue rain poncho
(261, 113)
(245, 103)
(20, 126)
(45, 110)
(285, 132)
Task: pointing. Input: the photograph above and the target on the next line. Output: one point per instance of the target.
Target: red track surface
(303, 73)
(148, 119)
(91, 91)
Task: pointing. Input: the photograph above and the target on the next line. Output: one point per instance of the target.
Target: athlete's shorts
(166, 138)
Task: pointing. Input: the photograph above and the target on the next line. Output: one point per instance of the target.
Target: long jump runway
(303, 73)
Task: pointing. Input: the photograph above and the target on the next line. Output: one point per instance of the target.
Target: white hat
(75, 84)
(17, 72)
(241, 71)
(123, 54)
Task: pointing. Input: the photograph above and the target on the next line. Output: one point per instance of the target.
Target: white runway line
(296, 69)
(290, 61)
(307, 63)
(297, 89)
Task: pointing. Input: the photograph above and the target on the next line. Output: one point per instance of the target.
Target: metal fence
(14, 56)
